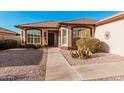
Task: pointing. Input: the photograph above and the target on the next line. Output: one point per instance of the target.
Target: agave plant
(81, 53)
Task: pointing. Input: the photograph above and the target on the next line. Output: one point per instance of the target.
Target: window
(64, 36)
(80, 32)
(34, 36)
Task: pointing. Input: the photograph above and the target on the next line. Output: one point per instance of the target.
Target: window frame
(36, 34)
(90, 29)
(62, 37)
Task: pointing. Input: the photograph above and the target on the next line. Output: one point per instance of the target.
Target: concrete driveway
(59, 69)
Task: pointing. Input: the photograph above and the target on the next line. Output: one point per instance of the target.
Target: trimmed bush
(20, 46)
(104, 47)
(3, 45)
(93, 44)
(11, 43)
(29, 46)
(7, 44)
(75, 39)
(37, 46)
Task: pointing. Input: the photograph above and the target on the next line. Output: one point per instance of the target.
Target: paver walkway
(59, 69)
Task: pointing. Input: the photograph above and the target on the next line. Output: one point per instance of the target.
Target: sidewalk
(99, 71)
(58, 68)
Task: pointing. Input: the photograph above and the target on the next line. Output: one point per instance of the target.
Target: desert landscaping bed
(96, 58)
(23, 64)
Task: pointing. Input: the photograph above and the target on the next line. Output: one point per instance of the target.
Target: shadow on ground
(12, 77)
(20, 57)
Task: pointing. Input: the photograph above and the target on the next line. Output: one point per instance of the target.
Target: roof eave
(33, 27)
(109, 20)
(75, 24)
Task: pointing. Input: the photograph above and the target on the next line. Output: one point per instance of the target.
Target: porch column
(44, 37)
(25, 36)
(69, 37)
(93, 31)
(55, 38)
(59, 37)
(41, 37)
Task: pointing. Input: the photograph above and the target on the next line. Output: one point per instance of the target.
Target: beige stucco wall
(13, 37)
(116, 40)
(44, 41)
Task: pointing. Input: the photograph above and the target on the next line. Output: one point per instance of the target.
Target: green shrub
(11, 43)
(20, 46)
(7, 44)
(3, 45)
(75, 39)
(81, 53)
(104, 47)
(37, 46)
(92, 44)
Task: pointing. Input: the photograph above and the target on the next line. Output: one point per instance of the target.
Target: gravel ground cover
(23, 64)
(96, 58)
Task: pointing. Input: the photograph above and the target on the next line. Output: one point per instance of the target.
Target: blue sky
(8, 19)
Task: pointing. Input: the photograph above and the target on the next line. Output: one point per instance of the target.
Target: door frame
(55, 38)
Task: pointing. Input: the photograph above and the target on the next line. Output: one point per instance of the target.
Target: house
(111, 31)
(8, 34)
(61, 34)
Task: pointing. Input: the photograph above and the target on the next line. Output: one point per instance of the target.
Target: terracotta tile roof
(4, 30)
(41, 24)
(81, 21)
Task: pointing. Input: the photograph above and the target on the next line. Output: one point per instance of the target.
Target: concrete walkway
(97, 71)
(59, 69)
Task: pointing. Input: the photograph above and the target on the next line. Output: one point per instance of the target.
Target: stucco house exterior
(61, 34)
(111, 31)
(8, 34)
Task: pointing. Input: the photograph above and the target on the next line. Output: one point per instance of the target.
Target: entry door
(51, 39)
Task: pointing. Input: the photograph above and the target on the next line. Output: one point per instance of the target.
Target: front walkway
(59, 69)
(100, 71)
